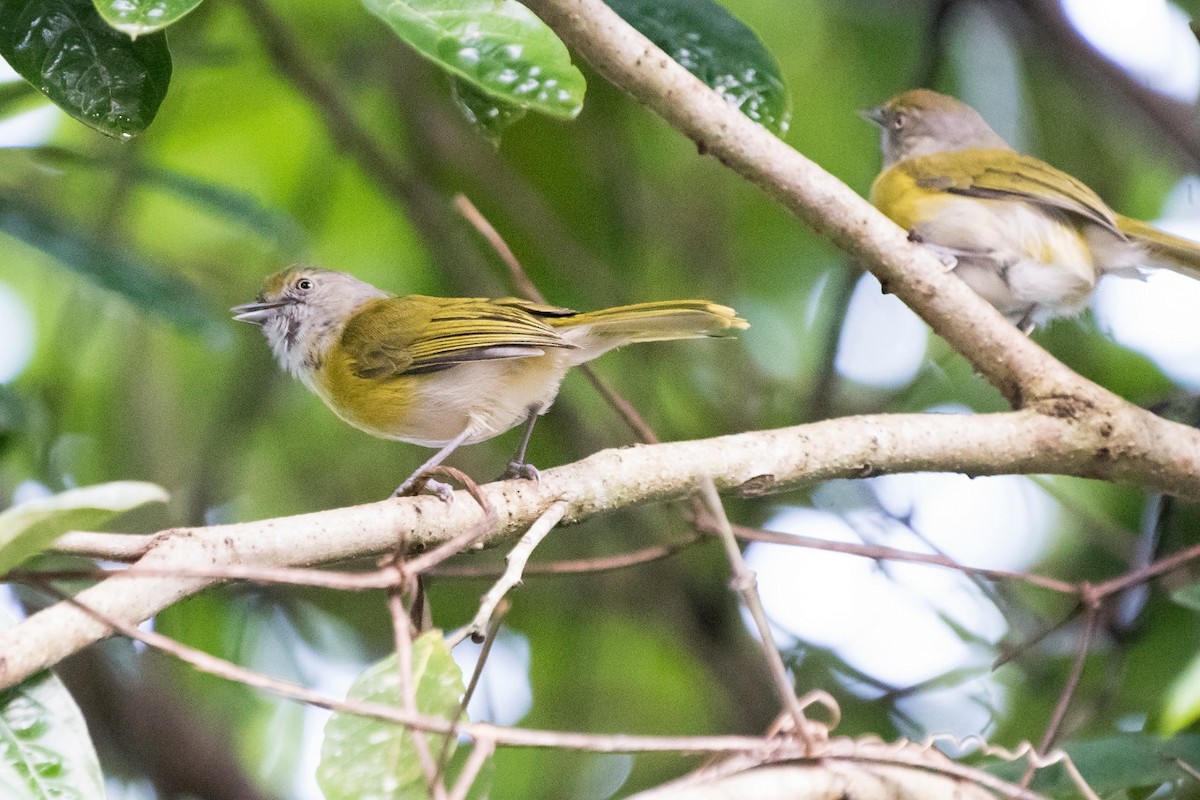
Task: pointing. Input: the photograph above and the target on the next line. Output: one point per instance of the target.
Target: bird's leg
(414, 483)
(518, 468)
(947, 255)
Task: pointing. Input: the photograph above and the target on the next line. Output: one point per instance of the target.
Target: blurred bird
(1029, 238)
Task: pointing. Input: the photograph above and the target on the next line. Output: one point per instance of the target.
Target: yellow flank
(896, 193)
(370, 404)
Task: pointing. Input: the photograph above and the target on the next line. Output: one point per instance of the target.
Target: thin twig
(1186, 767)
(480, 752)
(884, 553)
(775, 749)
(520, 279)
(1160, 567)
(512, 574)
(514, 737)
(575, 566)
(1091, 620)
(109, 546)
(402, 638)
(745, 584)
(292, 576)
(485, 650)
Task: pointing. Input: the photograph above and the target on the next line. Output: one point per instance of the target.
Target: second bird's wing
(1005, 175)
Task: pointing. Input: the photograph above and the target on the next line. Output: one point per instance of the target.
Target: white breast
(1031, 264)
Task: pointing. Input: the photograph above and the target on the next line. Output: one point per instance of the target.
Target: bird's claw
(414, 485)
(520, 469)
(946, 255)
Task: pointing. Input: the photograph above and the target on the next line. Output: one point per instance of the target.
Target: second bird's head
(302, 311)
(920, 122)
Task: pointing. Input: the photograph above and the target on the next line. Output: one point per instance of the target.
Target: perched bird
(446, 371)
(1031, 239)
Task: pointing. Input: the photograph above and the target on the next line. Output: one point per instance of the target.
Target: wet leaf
(139, 17)
(719, 50)
(497, 46)
(94, 73)
(489, 115)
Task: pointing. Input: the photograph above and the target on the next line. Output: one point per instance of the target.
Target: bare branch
(751, 463)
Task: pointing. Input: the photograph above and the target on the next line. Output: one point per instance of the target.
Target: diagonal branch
(1012, 362)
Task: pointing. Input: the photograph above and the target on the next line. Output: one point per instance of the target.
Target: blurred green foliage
(128, 254)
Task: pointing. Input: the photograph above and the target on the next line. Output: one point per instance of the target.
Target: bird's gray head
(302, 311)
(921, 122)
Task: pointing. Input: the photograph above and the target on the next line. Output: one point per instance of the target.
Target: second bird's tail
(1163, 249)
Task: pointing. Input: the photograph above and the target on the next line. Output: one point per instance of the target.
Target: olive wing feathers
(1005, 175)
(411, 335)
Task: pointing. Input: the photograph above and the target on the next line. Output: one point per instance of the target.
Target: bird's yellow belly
(488, 397)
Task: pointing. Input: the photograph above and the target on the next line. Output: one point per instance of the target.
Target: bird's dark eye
(304, 284)
(898, 121)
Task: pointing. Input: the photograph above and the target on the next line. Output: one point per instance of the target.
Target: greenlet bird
(1029, 238)
(443, 372)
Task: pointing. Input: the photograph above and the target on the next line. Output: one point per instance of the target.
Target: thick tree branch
(751, 463)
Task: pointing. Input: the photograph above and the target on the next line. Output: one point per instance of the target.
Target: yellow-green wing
(414, 334)
(1005, 175)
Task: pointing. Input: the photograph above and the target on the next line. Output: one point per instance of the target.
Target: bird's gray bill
(872, 115)
(256, 313)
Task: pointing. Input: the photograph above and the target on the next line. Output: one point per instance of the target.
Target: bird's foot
(520, 469)
(415, 484)
(948, 256)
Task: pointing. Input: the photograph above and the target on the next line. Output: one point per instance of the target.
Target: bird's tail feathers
(1163, 249)
(596, 332)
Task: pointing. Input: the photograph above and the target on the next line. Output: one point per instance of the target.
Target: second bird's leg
(518, 468)
(413, 483)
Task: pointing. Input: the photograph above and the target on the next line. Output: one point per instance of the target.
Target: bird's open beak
(873, 115)
(256, 313)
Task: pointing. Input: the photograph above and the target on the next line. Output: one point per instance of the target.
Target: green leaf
(1112, 765)
(1181, 704)
(235, 206)
(150, 289)
(363, 757)
(498, 46)
(489, 115)
(719, 50)
(1188, 596)
(99, 76)
(28, 528)
(138, 17)
(45, 751)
